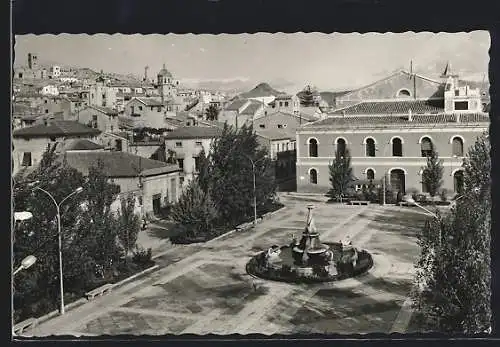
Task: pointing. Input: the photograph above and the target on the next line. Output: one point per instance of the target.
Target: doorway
(156, 204)
(398, 181)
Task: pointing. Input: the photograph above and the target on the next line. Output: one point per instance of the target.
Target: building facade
(185, 145)
(101, 118)
(30, 143)
(389, 128)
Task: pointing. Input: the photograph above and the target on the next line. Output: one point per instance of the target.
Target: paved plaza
(203, 288)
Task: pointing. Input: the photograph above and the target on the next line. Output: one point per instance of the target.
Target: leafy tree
(229, 175)
(88, 233)
(212, 112)
(129, 223)
(307, 97)
(432, 174)
(340, 175)
(195, 212)
(454, 265)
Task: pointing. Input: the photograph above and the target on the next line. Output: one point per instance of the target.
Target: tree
(212, 112)
(229, 176)
(194, 212)
(340, 175)
(88, 233)
(454, 265)
(307, 97)
(129, 223)
(432, 174)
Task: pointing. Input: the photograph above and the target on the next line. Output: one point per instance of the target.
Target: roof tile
(194, 132)
(393, 107)
(117, 164)
(56, 128)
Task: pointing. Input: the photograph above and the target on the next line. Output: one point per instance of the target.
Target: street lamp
(58, 208)
(26, 263)
(254, 188)
(22, 216)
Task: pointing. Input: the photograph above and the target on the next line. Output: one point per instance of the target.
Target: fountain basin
(288, 267)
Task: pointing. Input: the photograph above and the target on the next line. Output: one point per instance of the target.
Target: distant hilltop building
(390, 127)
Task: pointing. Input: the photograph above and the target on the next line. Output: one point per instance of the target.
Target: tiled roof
(276, 134)
(150, 101)
(117, 164)
(56, 128)
(81, 145)
(383, 121)
(253, 107)
(194, 132)
(393, 107)
(283, 97)
(235, 105)
(124, 122)
(105, 110)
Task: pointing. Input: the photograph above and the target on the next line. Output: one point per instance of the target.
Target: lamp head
(21, 216)
(28, 261)
(409, 199)
(78, 190)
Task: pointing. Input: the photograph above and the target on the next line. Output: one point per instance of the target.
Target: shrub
(421, 198)
(319, 270)
(142, 256)
(443, 194)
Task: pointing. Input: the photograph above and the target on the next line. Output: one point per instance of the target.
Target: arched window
(313, 176)
(341, 146)
(458, 182)
(426, 147)
(457, 147)
(313, 147)
(370, 147)
(403, 93)
(397, 147)
(370, 174)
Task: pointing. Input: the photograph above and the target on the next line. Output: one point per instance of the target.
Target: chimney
(457, 117)
(410, 118)
(164, 68)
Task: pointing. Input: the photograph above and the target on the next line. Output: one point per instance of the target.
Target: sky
(327, 61)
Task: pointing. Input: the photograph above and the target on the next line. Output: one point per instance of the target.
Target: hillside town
(216, 167)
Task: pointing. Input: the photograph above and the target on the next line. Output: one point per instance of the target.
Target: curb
(128, 279)
(83, 300)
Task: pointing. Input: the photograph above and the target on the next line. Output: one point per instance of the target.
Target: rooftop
(117, 164)
(56, 128)
(106, 110)
(82, 145)
(236, 105)
(194, 132)
(393, 107)
(276, 134)
(349, 122)
(150, 101)
(253, 107)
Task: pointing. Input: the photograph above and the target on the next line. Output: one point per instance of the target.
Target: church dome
(164, 72)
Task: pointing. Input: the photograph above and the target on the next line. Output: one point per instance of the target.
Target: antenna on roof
(411, 68)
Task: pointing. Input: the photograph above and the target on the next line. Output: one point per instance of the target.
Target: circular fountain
(310, 260)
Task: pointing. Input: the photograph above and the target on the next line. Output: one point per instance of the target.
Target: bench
(359, 202)
(20, 327)
(99, 291)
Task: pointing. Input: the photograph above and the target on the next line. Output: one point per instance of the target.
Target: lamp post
(26, 263)
(254, 188)
(58, 209)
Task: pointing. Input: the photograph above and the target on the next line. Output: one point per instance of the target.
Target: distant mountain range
(262, 89)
